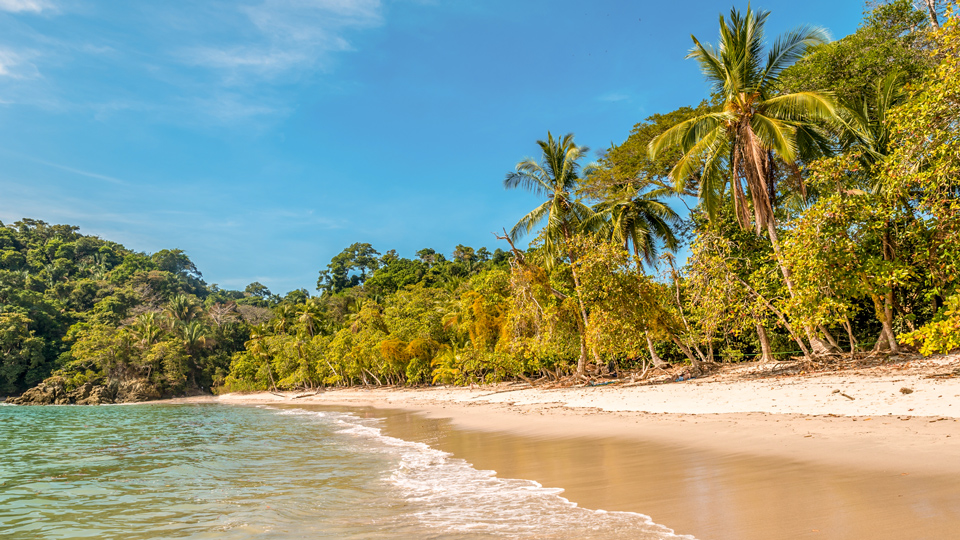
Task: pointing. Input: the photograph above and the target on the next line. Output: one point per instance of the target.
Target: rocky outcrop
(50, 392)
(136, 390)
(53, 391)
(90, 394)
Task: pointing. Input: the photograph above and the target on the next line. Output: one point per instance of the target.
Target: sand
(741, 458)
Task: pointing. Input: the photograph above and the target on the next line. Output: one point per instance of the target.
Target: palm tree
(868, 131)
(257, 346)
(739, 146)
(310, 316)
(755, 125)
(867, 128)
(639, 222)
(555, 177)
(182, 308)
(148, 329)
(194, 335)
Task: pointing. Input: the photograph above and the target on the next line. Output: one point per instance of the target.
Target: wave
(449, 495)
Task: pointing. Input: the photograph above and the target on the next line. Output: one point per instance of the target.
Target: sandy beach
(871, 453)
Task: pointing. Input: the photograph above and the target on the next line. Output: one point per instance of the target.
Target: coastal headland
(871, 452)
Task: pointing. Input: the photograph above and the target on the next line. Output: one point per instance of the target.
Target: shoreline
(743, 459)
(806, 418)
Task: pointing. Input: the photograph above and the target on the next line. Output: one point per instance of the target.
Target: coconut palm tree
(641, 222)
(737, 145)
(741, 145)
(867, 128)
(555, 177)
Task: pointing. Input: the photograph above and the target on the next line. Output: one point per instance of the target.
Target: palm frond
(801, 106)
(775, 135)
(530, 221)
(790, 47)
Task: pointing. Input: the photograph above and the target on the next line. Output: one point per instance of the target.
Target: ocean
(238, 472)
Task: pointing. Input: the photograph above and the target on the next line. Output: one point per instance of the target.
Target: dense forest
(821, 182)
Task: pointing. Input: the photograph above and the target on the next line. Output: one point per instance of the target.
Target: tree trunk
(932, 12)
(764, 344)
(888, 322)
(697, 366)
(654, 357)
(686, 324)
(273, 384)
(816, 344)
(830, 339)
(582, 362)
(888, 256)
(849, 328)
(783, 319)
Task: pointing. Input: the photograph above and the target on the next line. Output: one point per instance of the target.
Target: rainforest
(808, 207)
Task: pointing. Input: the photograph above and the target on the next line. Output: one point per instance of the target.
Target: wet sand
(711, 495)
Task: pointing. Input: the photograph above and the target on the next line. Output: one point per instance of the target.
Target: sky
(264, 136)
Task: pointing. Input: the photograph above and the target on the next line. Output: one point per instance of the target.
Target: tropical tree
(641, 222)
(756, 132)
(556, 177)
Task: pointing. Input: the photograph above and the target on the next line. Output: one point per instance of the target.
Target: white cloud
(15, 66)
(289, 35)
(614, 97)
(29, 6)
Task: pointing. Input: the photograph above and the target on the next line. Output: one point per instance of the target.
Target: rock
(99, 395)
(80, 393)
(53, 391)
(50, 392)
(906, 390)
(135, 391)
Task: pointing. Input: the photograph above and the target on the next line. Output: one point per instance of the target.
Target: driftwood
(308, 394)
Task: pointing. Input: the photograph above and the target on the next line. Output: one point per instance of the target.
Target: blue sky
(264, 136)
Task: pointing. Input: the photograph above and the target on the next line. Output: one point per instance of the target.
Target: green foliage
(891, 38)
(349, 268)
(942, 335)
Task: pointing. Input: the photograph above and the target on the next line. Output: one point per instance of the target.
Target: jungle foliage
(815, 197)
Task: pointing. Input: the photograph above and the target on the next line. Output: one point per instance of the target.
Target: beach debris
(906, 390)
(837, 391)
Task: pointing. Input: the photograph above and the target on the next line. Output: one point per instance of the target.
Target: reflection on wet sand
(709, 495)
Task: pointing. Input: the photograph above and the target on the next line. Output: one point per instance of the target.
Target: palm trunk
(696, 364)
(816, 344)
(654, 357)
(582, 362)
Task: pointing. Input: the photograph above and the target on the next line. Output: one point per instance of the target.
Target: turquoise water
(215, 471)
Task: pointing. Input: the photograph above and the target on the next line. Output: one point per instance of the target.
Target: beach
(868, 453)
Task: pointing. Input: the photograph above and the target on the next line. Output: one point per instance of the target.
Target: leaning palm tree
(555, 177)
(740, 145)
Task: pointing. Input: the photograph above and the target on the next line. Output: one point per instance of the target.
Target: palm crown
(555, 176)
(755, 124)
